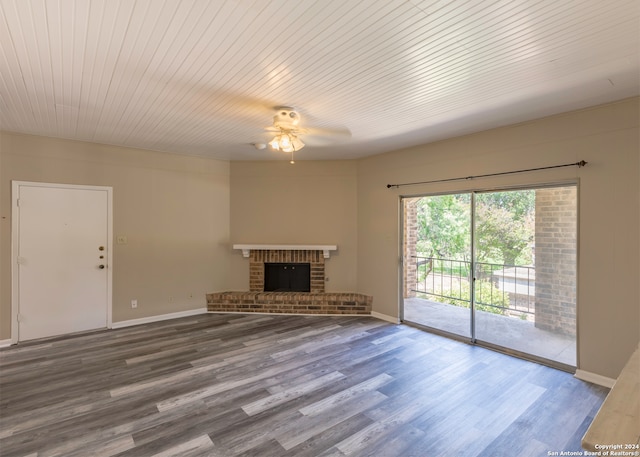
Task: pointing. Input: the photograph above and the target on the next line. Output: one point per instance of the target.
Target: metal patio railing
(501, 289)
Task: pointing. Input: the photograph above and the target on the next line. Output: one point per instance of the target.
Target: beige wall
(306, 203)
(609, 210)
(182, 214)
(173, 209)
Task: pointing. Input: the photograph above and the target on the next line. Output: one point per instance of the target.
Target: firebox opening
(287, 277)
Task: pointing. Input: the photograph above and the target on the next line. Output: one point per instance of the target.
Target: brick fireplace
(257, 259)
(317, 301)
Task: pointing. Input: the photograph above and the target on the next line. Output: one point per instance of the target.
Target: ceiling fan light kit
(286, 129)
(287, 120)
(286, 142)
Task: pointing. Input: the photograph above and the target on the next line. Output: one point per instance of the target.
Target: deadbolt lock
(101, 248)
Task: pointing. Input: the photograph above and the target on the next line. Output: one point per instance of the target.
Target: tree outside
(505, 230)
(505, 227)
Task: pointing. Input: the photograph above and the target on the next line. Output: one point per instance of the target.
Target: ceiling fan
(288, 131)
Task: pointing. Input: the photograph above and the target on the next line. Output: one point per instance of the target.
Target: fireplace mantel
(247, 248)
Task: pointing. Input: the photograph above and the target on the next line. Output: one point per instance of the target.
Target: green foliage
(520, 203)
(500, 237)
(443, 226)
(488, 297)
(504, 226)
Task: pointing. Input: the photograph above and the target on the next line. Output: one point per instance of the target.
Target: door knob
(101, 267)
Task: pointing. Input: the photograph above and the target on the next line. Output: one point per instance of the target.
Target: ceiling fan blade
(337, 132)
(316, 136)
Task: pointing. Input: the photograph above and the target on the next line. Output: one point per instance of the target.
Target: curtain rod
(580, 164)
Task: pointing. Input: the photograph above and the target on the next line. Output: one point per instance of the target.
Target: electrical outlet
(134, 304)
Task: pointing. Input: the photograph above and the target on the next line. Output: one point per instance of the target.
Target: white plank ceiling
(202, 77)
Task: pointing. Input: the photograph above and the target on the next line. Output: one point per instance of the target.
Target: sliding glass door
(497, 268)
(438, 262)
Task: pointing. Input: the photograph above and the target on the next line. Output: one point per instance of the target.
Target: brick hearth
(290, 302)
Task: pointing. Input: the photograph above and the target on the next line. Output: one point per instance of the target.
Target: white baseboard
(595, 378)
(161, 317)
(385, 317)
(5, 343)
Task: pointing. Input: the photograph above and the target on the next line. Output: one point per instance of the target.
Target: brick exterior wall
(410, 221)
(290, 302)
(257, 259)
(555, 259)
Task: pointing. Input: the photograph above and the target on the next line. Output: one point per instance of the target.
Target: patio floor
(508, 332)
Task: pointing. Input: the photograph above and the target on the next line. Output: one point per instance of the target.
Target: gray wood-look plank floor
(262, 385)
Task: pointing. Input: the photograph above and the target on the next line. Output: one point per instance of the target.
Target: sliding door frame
(473, 340)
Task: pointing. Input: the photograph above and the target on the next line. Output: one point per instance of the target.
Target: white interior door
(63, 280)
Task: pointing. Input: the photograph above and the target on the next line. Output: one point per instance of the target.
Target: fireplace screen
(287, 277)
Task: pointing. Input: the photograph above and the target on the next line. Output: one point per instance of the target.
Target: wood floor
(260, 385)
